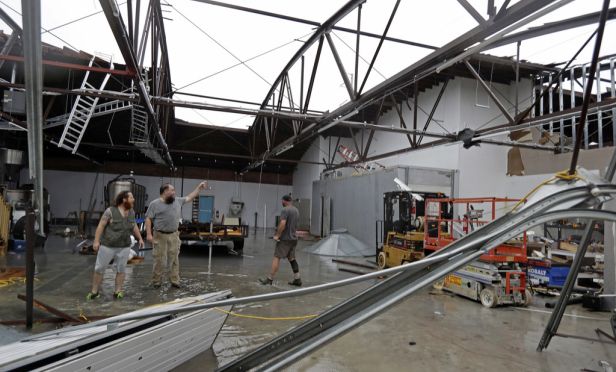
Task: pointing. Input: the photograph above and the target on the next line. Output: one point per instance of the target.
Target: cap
(287, 198)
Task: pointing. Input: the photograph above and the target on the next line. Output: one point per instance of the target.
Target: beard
(127, 205)
(169, 199)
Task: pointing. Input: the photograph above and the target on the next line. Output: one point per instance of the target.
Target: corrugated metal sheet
(68, 339)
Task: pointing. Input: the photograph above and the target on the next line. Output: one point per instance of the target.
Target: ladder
(99, 110)
(139, 125)
(81, 113)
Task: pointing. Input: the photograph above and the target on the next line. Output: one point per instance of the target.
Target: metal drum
(127, 184)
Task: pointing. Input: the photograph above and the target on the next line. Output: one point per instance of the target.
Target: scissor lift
(498, 277)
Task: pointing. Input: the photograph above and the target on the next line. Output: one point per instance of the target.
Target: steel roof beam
(313, 23)
(552, 27)
(472, 11)
(10, 22)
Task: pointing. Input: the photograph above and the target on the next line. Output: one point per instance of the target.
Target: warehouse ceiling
(225, 61)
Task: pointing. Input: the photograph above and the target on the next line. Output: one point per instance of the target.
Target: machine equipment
(206, 227)
(20, 200)
(119, 184)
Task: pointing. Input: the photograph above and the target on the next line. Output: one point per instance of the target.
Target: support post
(415, 108)
(30, 243)
(357, 48)
(33, 71)
(517, 78)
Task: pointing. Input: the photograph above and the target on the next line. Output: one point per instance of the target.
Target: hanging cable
(240, 63)
(75, 20)
(218, 43)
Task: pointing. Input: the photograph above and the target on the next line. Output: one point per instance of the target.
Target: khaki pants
(166, 254)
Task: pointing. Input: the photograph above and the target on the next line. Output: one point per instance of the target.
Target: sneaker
(92, 296)
(176, 285)
(296, 282)
(118, 295)
(266, 281)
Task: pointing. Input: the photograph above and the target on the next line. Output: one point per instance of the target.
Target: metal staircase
(81, 113)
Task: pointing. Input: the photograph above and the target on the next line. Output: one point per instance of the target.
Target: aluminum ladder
(139, 125)
(82, 111)
(99, 110)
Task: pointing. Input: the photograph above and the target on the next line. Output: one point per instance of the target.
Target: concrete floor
(431, 330)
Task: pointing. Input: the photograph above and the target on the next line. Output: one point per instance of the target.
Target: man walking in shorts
(286, 241)
(112, 242)
(163, 217)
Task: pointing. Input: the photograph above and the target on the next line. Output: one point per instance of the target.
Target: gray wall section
(70, 190)
(357, 202)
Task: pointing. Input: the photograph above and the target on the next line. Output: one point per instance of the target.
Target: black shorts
(285, 249)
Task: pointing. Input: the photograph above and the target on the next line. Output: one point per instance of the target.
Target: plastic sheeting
(341, 244)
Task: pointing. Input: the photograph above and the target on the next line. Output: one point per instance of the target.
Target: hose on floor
(246, 316)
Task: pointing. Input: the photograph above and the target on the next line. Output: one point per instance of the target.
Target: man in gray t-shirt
(286, 241)
(163, 216)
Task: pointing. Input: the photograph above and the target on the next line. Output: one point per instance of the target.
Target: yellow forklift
(400, 234)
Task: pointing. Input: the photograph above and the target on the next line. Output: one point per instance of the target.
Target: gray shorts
(106, 254)
(285, 249)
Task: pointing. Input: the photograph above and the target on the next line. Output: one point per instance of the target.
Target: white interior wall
(71, 191)
(306, 173)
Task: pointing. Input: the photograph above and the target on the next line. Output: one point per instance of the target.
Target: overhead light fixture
(337, 121)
